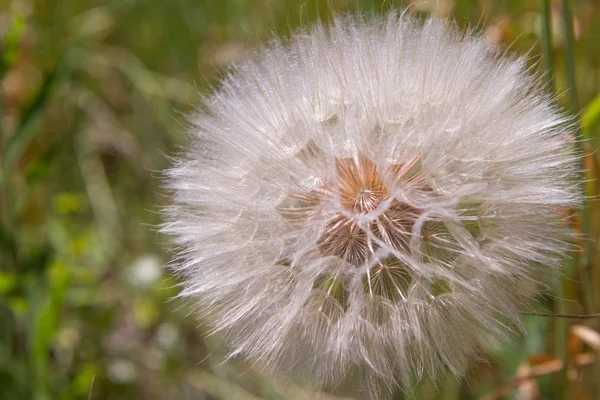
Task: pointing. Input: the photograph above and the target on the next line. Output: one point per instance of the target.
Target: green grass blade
(25, 131)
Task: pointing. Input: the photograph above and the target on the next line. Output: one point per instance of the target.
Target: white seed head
(372, 203)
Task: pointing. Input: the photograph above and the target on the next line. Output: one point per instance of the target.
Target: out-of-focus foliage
(94, 96)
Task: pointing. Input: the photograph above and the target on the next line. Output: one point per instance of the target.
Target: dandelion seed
(371, 203)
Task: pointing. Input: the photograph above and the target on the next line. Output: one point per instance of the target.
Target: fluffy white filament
(372, 202)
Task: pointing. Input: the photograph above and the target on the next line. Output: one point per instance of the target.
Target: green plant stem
(547, 46)
(581, 260)
(590, 190)
(561, 337)
(569, 55)
(568, 316)
(561, 325)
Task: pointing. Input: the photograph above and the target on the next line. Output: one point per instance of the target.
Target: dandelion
(372, 203)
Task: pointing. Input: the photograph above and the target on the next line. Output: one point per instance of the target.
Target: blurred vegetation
(93, 101)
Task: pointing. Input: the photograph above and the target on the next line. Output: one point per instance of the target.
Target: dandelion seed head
(372, 203)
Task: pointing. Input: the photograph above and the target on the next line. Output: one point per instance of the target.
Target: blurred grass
(94, 93)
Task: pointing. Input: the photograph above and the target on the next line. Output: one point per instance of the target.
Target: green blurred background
(94, 98)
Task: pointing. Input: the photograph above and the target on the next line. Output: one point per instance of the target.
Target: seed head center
(358, 187)
(361, 191)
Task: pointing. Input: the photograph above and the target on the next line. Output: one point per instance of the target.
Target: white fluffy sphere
(372, 202)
